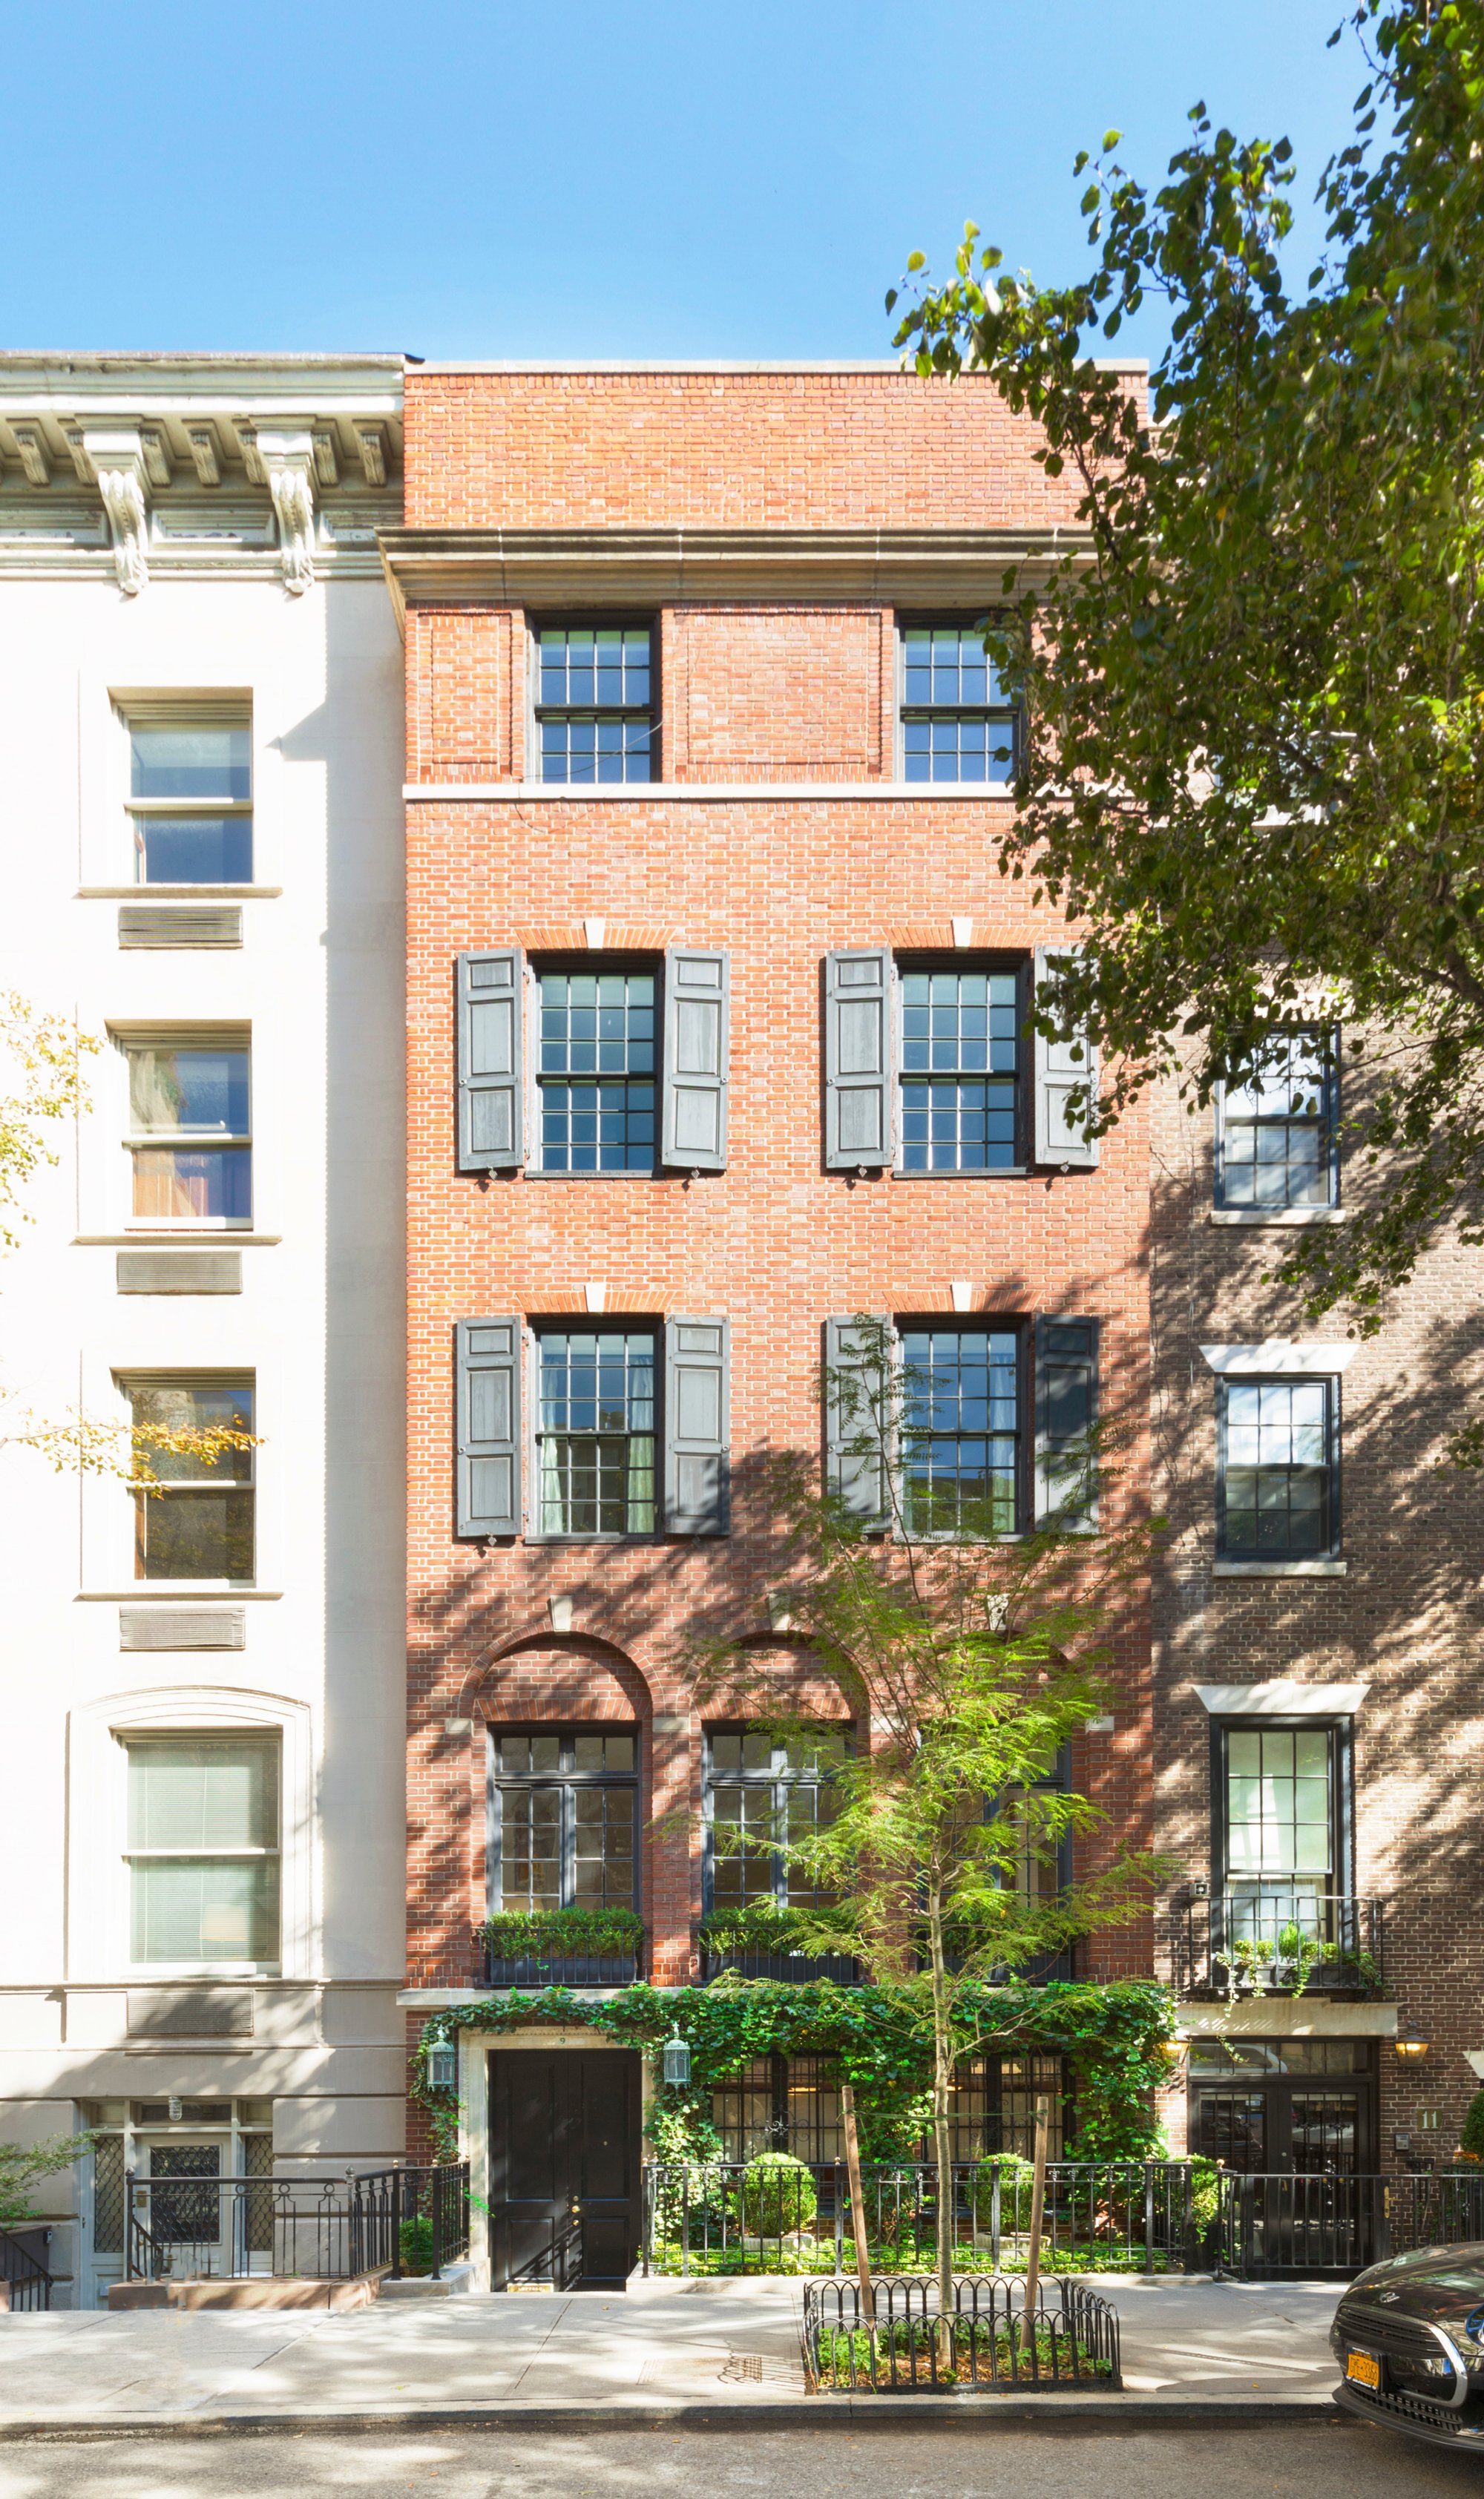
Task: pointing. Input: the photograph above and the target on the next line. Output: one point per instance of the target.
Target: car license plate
(1365, 2368)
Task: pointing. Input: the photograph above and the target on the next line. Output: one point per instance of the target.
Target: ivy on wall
(1119, 2041)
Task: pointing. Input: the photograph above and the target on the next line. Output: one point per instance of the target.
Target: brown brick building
(716, 1036)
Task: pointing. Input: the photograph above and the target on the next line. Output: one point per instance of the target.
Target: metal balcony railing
(399, 2220)
(1281, 1940)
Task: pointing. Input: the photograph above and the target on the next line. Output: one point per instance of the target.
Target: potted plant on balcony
(554, 1947)
(973, 1661)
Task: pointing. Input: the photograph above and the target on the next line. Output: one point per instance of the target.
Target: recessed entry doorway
(565, 2167)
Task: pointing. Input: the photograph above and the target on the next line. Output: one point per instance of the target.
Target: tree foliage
(1255, 695)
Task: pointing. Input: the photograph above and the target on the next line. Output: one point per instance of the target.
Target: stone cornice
(646, 568)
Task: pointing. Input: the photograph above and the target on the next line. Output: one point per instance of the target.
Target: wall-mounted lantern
(443, 2066)
(677, 2060)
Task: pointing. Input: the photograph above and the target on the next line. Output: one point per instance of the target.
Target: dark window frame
(649, 713)
(569, 1780)
(1341, 1731)
(1009, 712)
(1021, 1326)
(1328, 1123)
(779, 1779)
(597, 966)
(592, 1323)
(1330, 1548)
(971, 960)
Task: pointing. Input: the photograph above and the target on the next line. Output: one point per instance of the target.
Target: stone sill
(1289, 1219)
(1278, 1569)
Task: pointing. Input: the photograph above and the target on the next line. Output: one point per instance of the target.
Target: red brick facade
(758, 686)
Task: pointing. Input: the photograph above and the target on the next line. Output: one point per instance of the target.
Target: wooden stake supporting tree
(1037, 2215)
(858, 2206)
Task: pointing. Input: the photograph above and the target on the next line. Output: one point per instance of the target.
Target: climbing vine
(1117, 2039)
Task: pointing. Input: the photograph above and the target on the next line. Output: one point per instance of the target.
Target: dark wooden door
(563, 2166)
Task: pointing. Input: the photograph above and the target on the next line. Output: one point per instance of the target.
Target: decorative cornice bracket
(288, 464)
(115, 455)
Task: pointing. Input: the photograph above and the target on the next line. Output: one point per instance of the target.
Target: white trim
(1278, 1356)
(1281, 1700)
(1291, 1569)
(700, 793)
(1259, 1218)
(718, 365)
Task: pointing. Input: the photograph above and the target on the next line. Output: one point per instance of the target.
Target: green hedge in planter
(563, 1934)
(778, 2194)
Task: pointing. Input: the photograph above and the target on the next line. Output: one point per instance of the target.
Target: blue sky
(576, 177)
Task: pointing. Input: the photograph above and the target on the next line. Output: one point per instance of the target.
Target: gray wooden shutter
(858, 1109)
(488, 1362)
(697, 1426)
(491, 1015)
(1066, 1413)
(856, 1455)
(697, 1001)
(1059, 1067)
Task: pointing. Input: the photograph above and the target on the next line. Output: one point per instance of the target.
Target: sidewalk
(664, 2352)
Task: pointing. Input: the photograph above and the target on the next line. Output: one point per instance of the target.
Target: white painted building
(200, 778)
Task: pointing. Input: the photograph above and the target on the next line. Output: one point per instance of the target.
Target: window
(1281, 1824)
(563, 1811)
(961, 1430)
(199, 1524)
(191, 1136)
(761, 1791)
(992, 2105)
(597, 1433)
(190, 802)
(593, 720)
(596, 1072)
(1277, 1468)
(1276, 1135)
(960, 1069)
(202, 1848)
(779, 2104)
(958, 724)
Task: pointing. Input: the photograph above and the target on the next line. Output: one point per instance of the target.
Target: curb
(971, 2413)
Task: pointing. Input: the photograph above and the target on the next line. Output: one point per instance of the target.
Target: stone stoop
(266, 2290)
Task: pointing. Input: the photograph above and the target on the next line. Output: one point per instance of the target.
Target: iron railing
(736, 2217)
(795, 1968)
(900, 2346)
(1270, 2224)
(24, 2275)
(1280, 1940)
(540, 1969)
(328, 2229)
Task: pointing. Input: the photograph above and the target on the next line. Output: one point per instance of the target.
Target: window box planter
(564, 1948)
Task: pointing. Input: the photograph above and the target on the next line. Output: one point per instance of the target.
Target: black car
(1409, 2339)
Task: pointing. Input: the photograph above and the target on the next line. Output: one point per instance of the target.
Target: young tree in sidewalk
(1253, 696)
(971, 1658)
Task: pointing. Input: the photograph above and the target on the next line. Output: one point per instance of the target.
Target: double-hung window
(596, 1072)
(204, 1849)
(1277, 1134)
(563, 1811)
(597, 1402)
(1281, 1792)
(190, 802)
(594, 721)
(963, 1430)
(1278, 1466)
(958, 723)
(190, 1130)
(961, 1068)
(199, 1522)
(764, 1794)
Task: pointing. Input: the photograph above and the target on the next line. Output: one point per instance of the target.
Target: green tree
(1254, 691)
(970, 1660)
(21, 2164)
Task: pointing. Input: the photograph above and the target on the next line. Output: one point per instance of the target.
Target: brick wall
(750, 694)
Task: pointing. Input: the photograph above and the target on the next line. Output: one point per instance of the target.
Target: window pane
(203, 1793)
(960, 1430)
(188, 1092)
(1277, 1470)
(170, 1185)
(204, 1909)
(513, 1754)
(531, 1848)
(193, 1535)
(184, 1407)
(596, 1427)
(191, 763)
(193, 850)
(1276, 1128)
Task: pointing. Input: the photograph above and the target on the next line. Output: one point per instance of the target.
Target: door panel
(563, 2166)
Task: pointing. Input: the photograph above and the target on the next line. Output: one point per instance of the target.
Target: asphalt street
(1314, 2458)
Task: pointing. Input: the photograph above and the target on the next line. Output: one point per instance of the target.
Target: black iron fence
(25, 2274)
(1270, 2225)
(326, 2230)
(795, 1968)
(901, 2342)
(538, 1969)
(1279, 1940)
(782, 2216)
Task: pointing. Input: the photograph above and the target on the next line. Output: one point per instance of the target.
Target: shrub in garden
(414, 2240)
(778, 2195)
(1015, 2176)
